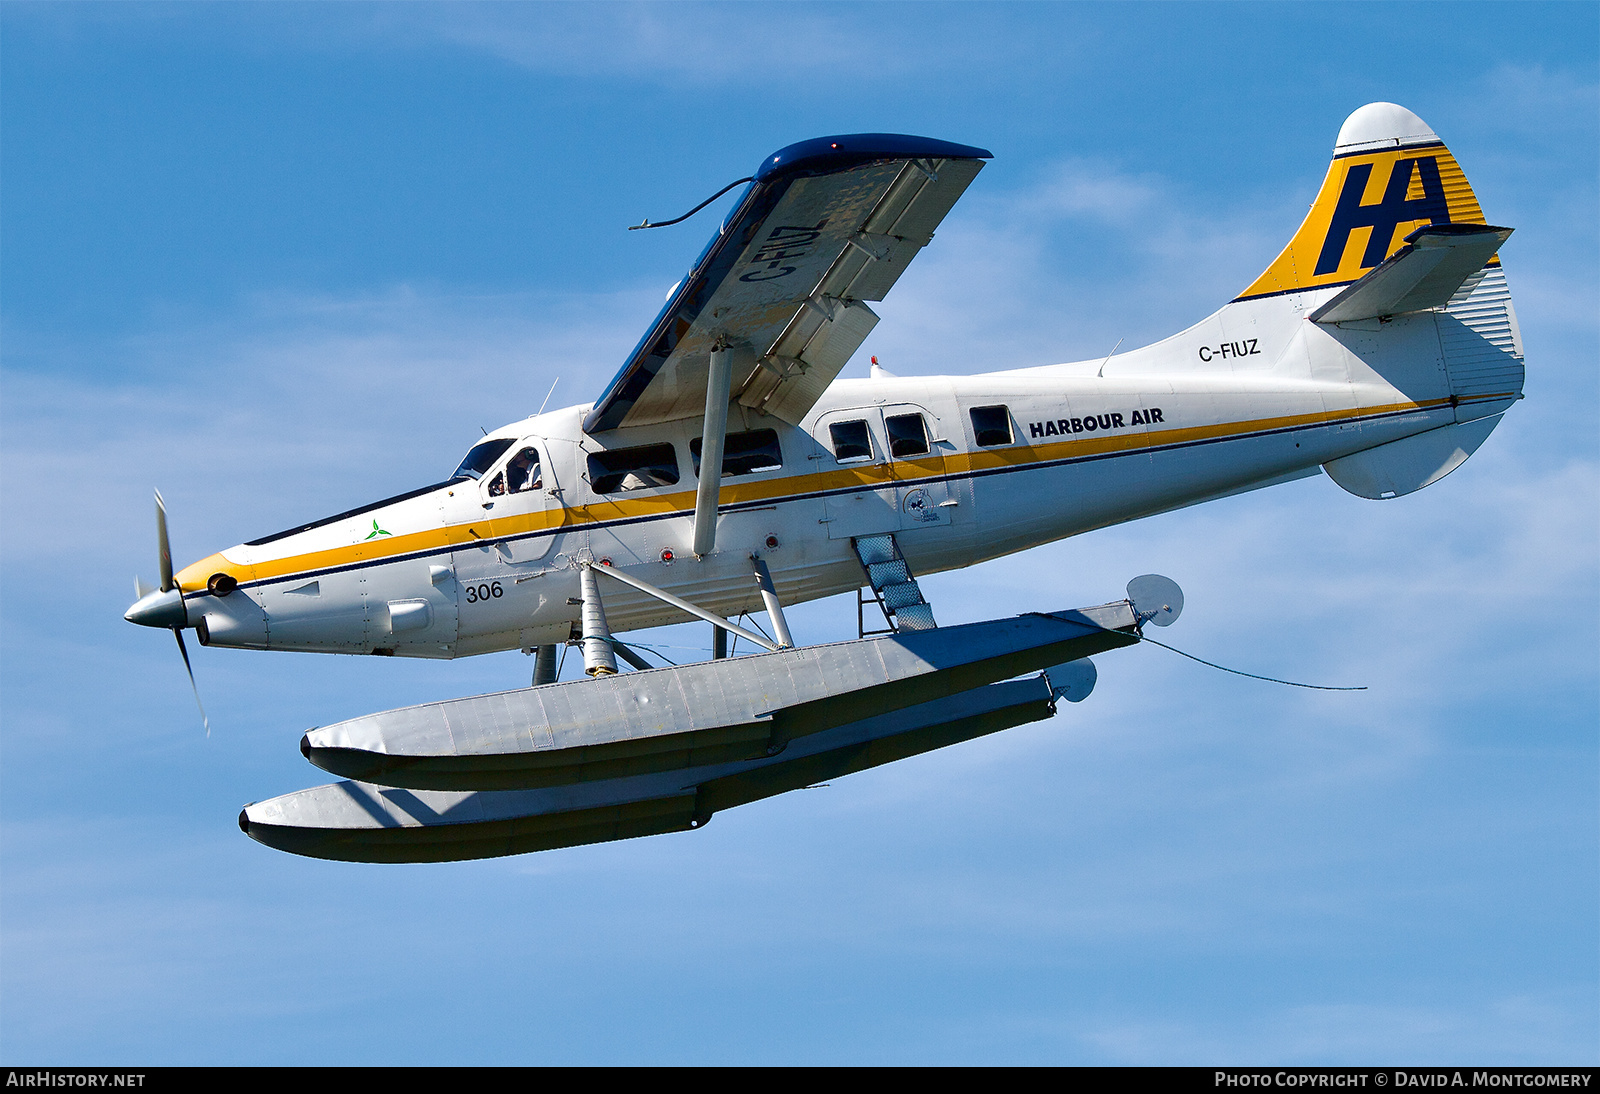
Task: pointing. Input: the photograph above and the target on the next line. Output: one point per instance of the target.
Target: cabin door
(881, 470)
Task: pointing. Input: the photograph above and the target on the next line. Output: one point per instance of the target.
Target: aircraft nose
(162, 608)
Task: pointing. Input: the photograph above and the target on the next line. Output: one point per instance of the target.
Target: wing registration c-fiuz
(826, 225)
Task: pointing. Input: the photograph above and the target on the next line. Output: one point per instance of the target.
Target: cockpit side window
(522, 473)
(482, 457)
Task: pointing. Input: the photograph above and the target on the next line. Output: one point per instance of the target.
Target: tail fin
(1397, 226)
(1390, 175)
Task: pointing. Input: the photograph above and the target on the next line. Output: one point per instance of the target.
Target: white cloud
(291, 406)
(1061, 269)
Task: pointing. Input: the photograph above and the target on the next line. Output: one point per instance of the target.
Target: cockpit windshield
(482, 457)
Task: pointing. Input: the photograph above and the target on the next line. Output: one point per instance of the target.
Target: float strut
(544, 666)
(598, 657)
(769, 597)
(679, 603)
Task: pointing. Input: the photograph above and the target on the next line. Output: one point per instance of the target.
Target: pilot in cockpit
(522, 473)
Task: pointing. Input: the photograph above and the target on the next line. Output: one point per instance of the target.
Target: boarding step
(894, 588)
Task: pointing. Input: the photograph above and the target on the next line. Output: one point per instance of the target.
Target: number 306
(488, 591)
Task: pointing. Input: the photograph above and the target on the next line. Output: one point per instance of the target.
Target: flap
(1424, 274)
(824, 226)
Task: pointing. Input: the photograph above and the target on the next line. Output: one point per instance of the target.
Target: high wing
(825, 225)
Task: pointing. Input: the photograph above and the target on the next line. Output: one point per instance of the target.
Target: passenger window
(633, 468)
(991, 426)
(851, 441)
(522, 473)
(744, 453)
(908, 435)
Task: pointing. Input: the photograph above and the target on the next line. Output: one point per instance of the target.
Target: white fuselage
(1254, 395)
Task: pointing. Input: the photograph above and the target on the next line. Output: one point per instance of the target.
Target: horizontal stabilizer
(1424, 274)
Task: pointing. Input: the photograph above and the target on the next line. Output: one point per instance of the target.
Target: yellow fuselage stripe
(1021, 457)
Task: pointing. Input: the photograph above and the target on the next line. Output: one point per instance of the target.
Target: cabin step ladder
(894, 588)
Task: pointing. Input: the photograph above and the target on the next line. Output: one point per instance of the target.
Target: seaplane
(727, 472)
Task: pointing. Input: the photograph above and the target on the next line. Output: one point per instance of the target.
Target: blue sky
(282, 259)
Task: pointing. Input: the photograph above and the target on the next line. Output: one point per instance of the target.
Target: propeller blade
(165, 548)
(177, 633)
(140, 589)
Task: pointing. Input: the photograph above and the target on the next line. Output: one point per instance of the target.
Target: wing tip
(824, 154)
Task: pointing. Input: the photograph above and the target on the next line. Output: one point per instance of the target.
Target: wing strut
(718, 384)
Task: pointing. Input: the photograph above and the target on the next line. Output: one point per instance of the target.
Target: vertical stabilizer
(1390, 175)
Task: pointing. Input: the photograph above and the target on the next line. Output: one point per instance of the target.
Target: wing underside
(825, 227)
